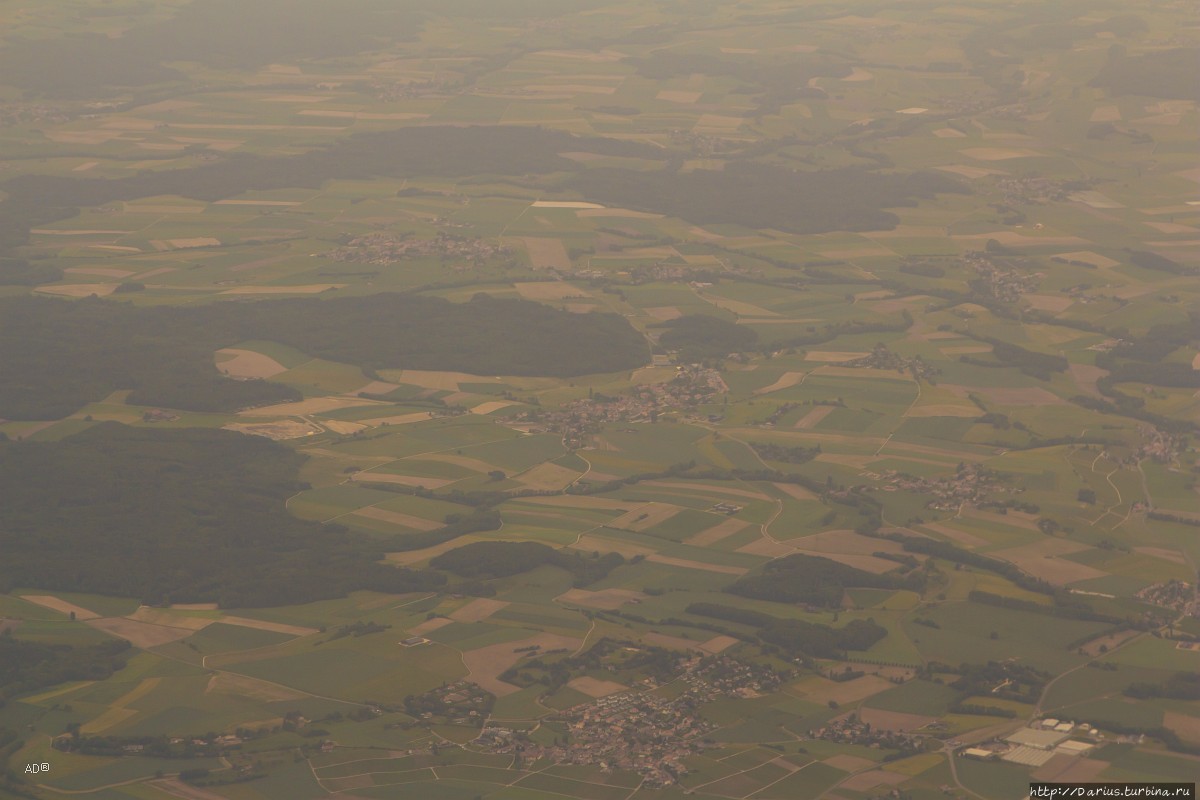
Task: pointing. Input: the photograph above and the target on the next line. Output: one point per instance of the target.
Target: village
(971, 484)
(382, 249)
(882, 357)
(692, 385)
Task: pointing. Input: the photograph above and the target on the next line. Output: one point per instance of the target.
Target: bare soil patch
(1164, 553)
(468, 462)
(398, 518)
(580, 501)
(795, 490)
(646, 516)
(590, 542)
(1050, 302)
(1028, 396)
(1092, 648)
(767, 548)
(248, 364)
(548, 477)
(263, 625)
(949, 133)
(678, 96)
(549, 290)
(669, 642)
(61, 606)
(1071, 770)
(315, 405)
(342, 427)
(277, 431)
(846, 541)
(719, 644)
(811, 419)
(683, 562)
(708, 488)
(416, 556)
(430, 625)
(491, 405)
(953, 534)
(398, 419)
(865, 781)
(546, 253)
(893, 720)
(1041, 560)
(717, 532)
(478, 609)
(738, 307)
(974, 173)
(174, 619)
(402, 480)
(140, 634)
(822, 690)
(605, 600)
(195, 606)
(997, 153)
(104, 272)
(594, 687)
(1095, 259)
(253, 688)
(79, 289)
(1186, 726)
(177, 788)
(1013, 519)
(785, 381)
(486, 664)
(943, 410)
(664, 312)
(863, 562)
(312, 288)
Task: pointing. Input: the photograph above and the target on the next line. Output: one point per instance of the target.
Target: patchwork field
(821, 398)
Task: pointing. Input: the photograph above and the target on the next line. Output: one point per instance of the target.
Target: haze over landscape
(541, 399)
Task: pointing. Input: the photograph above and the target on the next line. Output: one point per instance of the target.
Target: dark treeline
(762, 196)
(832, 330)
(1036, 365)
(701, 336)
(27, 666)
(434, 150)
(796, 637)
(229, 34)
(788, 454)
(813, 580)
(502, 559)
(58, 355)
(221, 33)
(1154, 261)
(176, 516)
(776, 83)
(1180, 686)
(1065, 606)
(957, 555)
(472, 523)
(1164, 73)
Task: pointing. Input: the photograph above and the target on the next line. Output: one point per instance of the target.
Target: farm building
(1037, 739)
(978, 752)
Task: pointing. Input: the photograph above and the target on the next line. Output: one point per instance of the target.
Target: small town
(642, 730)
